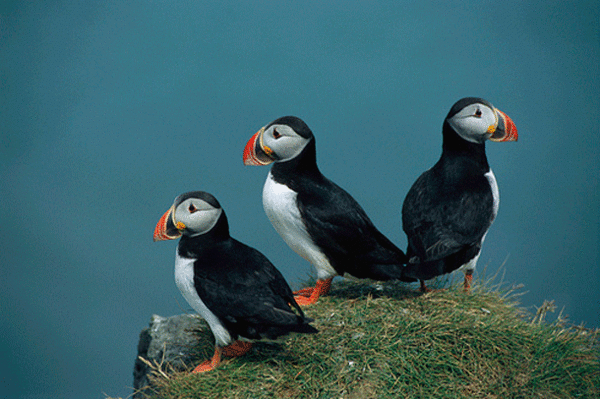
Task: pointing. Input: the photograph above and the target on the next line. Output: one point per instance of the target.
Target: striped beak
(255, 153)
(506, 129)
(166, 228)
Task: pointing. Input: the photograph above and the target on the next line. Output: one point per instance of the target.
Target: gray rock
(169, 343)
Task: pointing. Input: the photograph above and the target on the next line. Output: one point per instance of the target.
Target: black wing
(344, 232)
(243, 288)
(441, 218)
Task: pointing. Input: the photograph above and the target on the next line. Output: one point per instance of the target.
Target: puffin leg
(238, 348)
(208, 365)
(308, 296)
(468, 280)
(424, 288)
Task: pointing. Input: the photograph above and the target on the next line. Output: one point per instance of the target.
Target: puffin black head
(191, 214)
(476, 120)
(281, 140)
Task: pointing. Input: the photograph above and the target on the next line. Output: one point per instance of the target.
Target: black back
(242, 287)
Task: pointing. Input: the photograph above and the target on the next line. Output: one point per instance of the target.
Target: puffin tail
(423, 271)
(385, 272)
(305, 328)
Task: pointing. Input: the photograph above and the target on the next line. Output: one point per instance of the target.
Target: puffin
(449, 209)
(232, 286)
(318, 220)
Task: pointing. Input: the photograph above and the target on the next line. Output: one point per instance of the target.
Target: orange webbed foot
(305, 292)
(211, 364)
(203, 367)
(305, 301)
(308, 296)
(238, 348)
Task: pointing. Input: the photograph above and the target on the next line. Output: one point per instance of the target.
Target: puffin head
(191, 214)
(281, 140)
(476, 120)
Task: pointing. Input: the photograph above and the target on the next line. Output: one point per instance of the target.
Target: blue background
(111, 109)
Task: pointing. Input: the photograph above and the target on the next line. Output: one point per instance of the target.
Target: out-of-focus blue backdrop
(111, 109)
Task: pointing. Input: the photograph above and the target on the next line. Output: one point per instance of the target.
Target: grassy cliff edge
(389, 341)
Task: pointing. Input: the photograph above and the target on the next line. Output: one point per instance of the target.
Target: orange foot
(238, 348)
(306, 292)
(425, 288)
(208, 365)
(468, 280)
(308, 296)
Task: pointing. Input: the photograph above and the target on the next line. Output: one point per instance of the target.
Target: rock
(172, 344)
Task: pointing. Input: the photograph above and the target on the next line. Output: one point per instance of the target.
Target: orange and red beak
(506, 129)
(255, 153)
(166, 228)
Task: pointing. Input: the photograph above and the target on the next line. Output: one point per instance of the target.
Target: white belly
(495, 192)
(282, 210)
(184, 278)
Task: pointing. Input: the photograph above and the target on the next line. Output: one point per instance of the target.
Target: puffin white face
(195, 216)
(475, 123)
(283, 141)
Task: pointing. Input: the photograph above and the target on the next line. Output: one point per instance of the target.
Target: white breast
(495, 192)
(281, 208)
(184, 278)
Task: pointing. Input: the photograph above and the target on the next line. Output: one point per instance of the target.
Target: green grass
(389, 341)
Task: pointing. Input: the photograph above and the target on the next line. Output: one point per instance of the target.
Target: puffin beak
(166, 229)
(506, 129)
(255, 153)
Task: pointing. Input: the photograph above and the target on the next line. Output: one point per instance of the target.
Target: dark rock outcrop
(169, 343)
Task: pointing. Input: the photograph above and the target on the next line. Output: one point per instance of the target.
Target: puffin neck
(454, 145)
(190, 246)
(305, 164)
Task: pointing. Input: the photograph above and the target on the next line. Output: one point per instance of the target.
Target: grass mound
(388, 341)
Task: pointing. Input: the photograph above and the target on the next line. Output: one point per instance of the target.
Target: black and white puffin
(319, 220)
(234, 287)
(449, 209)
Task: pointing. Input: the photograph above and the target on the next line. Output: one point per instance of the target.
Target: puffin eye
(478, 113)
(276, 134)
(192, 208)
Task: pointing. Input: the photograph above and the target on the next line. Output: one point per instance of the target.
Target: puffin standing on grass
(449, 209)
(235, 288)
(319, 220)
